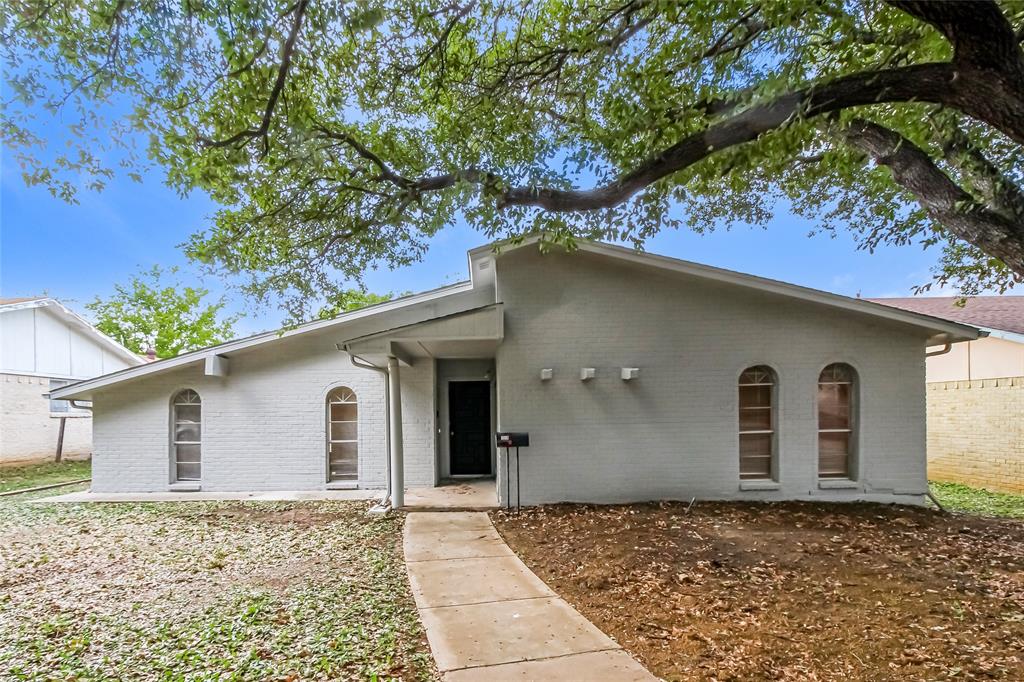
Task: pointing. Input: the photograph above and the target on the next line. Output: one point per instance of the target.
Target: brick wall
(27, 431)
(976, 432)
(263, 425)
(672, 433)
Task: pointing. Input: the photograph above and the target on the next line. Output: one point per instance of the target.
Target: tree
(346, 300)
(341, 135)
(170, 318)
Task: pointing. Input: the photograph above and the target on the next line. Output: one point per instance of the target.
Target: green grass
(18, 476)
(206, 591)
(965, 499)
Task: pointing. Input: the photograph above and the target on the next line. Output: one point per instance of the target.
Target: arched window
(757, 423)
(342, 435)
(187, 439)
(836, 421)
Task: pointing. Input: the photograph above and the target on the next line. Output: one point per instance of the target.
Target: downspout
(385, 502)
(945, 349)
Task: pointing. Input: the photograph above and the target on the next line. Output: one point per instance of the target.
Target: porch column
(397, 459)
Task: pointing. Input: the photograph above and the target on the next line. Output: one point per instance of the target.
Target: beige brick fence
(976, 432)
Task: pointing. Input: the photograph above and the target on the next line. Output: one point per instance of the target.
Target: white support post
(397, 459)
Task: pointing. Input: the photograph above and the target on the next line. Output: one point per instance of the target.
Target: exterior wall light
(630, 373)
(546, 374)
(587, 373)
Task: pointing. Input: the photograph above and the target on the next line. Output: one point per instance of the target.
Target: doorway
(469, 428)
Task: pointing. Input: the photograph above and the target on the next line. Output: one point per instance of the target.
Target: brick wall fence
(976, 432)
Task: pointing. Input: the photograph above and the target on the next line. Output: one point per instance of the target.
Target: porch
(478, 494)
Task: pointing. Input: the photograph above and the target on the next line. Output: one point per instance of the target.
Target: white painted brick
(672, 433)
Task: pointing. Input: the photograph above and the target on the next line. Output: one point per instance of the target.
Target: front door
(469, 428)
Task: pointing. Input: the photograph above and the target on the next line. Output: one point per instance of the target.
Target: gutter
(385, 503)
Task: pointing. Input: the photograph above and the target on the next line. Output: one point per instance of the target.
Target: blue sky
(76, 252)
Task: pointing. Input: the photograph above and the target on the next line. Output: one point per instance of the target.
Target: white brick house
(637, 377)
(44, 345)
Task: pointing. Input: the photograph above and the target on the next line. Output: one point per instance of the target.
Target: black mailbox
(509, 439)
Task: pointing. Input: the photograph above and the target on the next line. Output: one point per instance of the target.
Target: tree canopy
(151, 312)
(339, 135)
(344, 300)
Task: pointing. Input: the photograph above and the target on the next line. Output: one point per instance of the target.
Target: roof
(942, 330)
(12, 301)
(72, 319)
(1003, 313)
(482, 272)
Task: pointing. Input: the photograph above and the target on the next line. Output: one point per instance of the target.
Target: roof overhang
(469, 334)
(83, 389)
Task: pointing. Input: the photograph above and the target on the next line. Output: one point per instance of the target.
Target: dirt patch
(796, 591)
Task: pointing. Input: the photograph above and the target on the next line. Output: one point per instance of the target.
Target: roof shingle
(1005, 313)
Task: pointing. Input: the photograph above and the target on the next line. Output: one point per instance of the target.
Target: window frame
(853, 421)
(773, 466)
(174, 442)
(329, 435)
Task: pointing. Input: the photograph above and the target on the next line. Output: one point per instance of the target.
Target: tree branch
(926, 82)
(275, 93)
(946, 203)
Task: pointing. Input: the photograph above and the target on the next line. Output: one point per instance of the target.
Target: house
(636, 376)
(43, 345)
(976, 393)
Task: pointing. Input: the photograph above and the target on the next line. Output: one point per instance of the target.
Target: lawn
(205, 591)
(789, 591)
(965, 499)
(17, 476)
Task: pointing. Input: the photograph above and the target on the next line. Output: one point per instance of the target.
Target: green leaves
(396, 118)
(167, 317)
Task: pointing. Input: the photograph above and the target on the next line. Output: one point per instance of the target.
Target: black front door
(469, 428)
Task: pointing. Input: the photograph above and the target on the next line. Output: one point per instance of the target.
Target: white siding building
(637, 377)
(43, 345)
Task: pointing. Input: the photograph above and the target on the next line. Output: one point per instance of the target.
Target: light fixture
(629, 373)
(587, 373)
(546, 374)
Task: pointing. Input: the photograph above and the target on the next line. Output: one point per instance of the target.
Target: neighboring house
(43, 345)
(637, 377)
(976, 393)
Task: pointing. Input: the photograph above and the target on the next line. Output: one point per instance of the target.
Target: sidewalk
(488, 617)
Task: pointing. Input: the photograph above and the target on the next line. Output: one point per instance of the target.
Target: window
(186, 443)
(342, 435)
(757, 423)
(58, 405)
(836, 390)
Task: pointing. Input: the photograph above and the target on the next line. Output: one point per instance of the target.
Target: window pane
(188, 472)
(756, 455)
(834, 406)
(344, 412)
(755, 419)
(833, 454)
(756, 444)
(343, 431)
(755, 396)
(343, 463)
(187, 432)
(187, 453)
(187, 413)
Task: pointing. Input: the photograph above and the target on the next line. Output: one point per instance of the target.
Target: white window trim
(177, 482)
(342, 483)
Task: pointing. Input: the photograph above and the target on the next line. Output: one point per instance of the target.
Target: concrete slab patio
(489, 617)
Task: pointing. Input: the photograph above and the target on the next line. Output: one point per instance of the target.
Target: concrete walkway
(488, 617)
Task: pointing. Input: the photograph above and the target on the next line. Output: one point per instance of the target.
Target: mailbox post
(509, 440)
